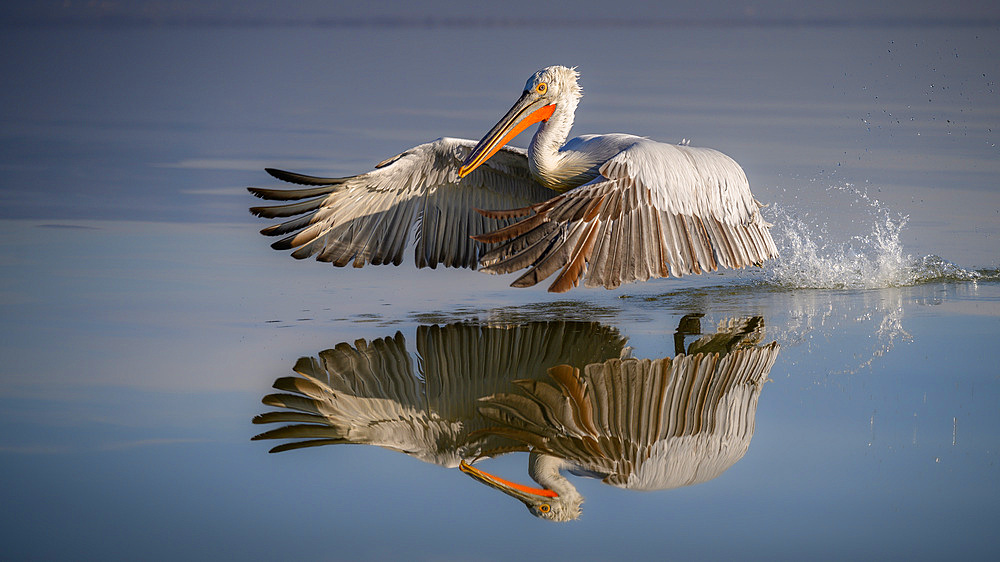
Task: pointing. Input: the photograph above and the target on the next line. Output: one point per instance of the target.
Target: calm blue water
(144, 318)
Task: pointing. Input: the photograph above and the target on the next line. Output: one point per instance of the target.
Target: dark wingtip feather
(283, 244)
(285, 416)
(302, 179)
(292, 194)
(289, 210)
(305, 444)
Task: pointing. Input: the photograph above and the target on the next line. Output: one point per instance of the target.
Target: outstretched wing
(656, 210)
(368, 218)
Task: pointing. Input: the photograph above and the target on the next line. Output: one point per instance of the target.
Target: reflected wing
(656, 210)
(368, 218)
(366, 393)
(370, 394)
(464, 362)
(642, 424)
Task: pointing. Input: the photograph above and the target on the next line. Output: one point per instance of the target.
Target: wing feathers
(654, 212)
(369, 218)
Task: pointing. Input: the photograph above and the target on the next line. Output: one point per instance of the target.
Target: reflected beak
(526, 494)
(526, 112)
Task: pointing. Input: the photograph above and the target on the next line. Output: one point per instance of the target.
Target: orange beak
(526, 112)
(519, 491)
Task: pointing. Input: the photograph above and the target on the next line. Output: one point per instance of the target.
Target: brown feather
(511, 231)
(552, 260)
(571, 274)
(574, 387)
(515, 246)
(506, 214)
(663, 252)
(594, 208)
(525, 258)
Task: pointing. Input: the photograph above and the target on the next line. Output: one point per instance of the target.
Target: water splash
(811, 256)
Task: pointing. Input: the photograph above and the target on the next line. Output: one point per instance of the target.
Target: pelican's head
(541, 502)
(543, 93)
(556, 83)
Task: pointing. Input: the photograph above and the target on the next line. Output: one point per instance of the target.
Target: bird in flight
(599, 209)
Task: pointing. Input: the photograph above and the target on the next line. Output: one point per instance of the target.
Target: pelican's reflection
(370, 393)
(565, 392)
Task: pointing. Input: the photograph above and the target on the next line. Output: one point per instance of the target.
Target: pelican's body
(609, 209)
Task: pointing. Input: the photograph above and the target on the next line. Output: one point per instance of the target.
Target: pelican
(605, 209)
(635, 424)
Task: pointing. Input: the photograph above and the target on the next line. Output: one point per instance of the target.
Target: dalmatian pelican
(604, 209)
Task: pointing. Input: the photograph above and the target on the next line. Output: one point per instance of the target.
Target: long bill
(524, 493)
(526, 112)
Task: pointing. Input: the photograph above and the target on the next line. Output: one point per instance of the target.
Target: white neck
(544, 469)
(552, 168)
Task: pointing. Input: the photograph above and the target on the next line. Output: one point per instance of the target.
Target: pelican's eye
(541, 88)
(544, 508)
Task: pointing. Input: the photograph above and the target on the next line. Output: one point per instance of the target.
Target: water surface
(144, 318)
